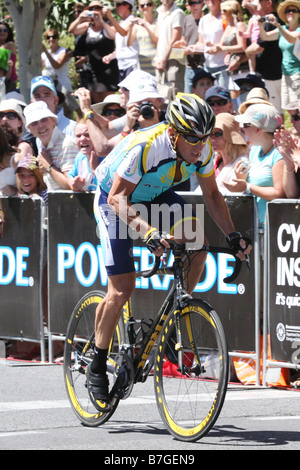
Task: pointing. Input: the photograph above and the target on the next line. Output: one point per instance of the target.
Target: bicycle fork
(182, 298)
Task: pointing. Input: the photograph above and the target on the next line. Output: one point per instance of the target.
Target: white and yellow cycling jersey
(147, 159)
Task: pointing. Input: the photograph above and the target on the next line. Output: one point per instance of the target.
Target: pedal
(124, 377)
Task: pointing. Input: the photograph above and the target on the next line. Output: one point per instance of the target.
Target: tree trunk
(28, 20)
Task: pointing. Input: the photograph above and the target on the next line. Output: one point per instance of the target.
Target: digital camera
(146, 109)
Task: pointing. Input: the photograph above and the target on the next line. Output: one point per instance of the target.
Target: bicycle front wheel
(79, 352)
(190, 400)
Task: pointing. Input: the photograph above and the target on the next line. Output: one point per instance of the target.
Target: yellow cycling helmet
(190, 114)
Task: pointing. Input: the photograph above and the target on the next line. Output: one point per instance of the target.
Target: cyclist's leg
(119, 290)
(117, 255)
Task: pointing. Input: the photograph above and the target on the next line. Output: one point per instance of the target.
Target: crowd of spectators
(131, 61)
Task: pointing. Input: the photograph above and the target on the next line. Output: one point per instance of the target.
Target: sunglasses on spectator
(95, 8)
(217, 134)
(220, 102)
(3, 30)
(53, 36)
(144, 5)
(121, 3)
(9, 115)
(244, 89)
(247, 125)
(296, 116)
(194, 139)
(195, 3)
(116, 112)
(291, 10)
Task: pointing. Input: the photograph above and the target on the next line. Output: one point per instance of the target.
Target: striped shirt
(63, 151)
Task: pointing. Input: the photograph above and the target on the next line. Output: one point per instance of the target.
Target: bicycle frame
(143, 360)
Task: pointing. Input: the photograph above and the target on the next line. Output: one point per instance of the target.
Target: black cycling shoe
(97, 385)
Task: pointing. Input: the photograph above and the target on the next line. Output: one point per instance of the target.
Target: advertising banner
(76, 267)
(284, 281)
(20, 268)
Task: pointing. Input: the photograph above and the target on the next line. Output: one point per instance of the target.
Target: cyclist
(141, 169)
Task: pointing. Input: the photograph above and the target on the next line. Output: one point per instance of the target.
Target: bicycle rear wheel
(79, 352)
(190, 401)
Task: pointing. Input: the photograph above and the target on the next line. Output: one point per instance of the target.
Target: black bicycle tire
(199, 430)
(88, 417)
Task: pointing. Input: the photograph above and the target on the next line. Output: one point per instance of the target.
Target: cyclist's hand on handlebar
(156, 241)
(241, 245)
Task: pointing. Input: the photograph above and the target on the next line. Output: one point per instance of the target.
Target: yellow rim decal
(174, 426)
(77, 406)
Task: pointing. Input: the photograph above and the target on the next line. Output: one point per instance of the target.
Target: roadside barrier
(281, 319)
(75, 267)
(21, 270)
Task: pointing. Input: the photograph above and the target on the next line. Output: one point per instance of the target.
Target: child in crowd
(30, 179)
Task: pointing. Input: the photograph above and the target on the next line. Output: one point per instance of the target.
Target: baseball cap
(263, 116)
(29, 162)
(218, 91)
(42, 80)
(12, 105)
(37, 111)
(252, 78)
(201, 73)
(131, 2)
(17, 97)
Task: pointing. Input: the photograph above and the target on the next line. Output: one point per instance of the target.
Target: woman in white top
(143, 29)
(210, 31)
(55, 61)
(232, 43)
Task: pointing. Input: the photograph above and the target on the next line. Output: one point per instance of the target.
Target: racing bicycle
(184, 347)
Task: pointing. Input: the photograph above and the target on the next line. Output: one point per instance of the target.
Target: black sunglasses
(53, 36)
(220, 102)
(291, 10)
(217, 134)
(143, 5)
(116, 112)
(10, 115)
(95, 8)
(195, 3)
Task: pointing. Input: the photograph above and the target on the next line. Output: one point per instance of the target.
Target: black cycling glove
(152, 239)
(233, 240)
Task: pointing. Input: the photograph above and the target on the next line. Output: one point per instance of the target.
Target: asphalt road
(35, 415)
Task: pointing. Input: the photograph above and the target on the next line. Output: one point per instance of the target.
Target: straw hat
(283, 6)
(255, 96)
(113, 98)
(230, 128)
